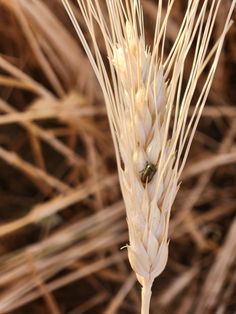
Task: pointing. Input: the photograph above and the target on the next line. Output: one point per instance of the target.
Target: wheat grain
(147, 107)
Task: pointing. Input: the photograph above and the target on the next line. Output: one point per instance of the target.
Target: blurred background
(62, 218)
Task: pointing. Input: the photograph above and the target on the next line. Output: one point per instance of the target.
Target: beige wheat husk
(147, 107)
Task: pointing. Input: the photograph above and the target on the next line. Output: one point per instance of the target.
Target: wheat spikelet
(147, 108)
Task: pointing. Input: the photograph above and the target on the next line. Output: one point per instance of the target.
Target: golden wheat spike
(147, 108)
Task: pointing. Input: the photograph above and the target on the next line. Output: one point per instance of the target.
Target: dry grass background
(62, 216)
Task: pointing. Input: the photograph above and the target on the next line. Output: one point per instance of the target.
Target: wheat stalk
(147, 108)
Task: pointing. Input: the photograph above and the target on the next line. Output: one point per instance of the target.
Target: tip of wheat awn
(147, 108)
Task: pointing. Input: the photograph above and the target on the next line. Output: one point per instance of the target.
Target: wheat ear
(147, 108)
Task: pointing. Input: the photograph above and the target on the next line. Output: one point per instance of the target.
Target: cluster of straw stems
(147, 105)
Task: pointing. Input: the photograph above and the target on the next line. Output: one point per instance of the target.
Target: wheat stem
(146, 297)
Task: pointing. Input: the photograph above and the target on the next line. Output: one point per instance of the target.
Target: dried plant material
(49, 256)
(224, 260)
(147, 105)
(73, 106)
(62, 228)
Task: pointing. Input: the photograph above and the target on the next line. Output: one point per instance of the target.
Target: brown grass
(62, 218)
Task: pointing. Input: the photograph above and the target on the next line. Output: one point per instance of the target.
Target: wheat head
(147, 106)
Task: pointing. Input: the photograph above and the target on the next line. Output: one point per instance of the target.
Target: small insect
(148, 172)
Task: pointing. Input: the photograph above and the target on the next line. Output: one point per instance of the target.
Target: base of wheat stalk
(146, 298)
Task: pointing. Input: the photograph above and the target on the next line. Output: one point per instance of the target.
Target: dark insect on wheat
(148, 172)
